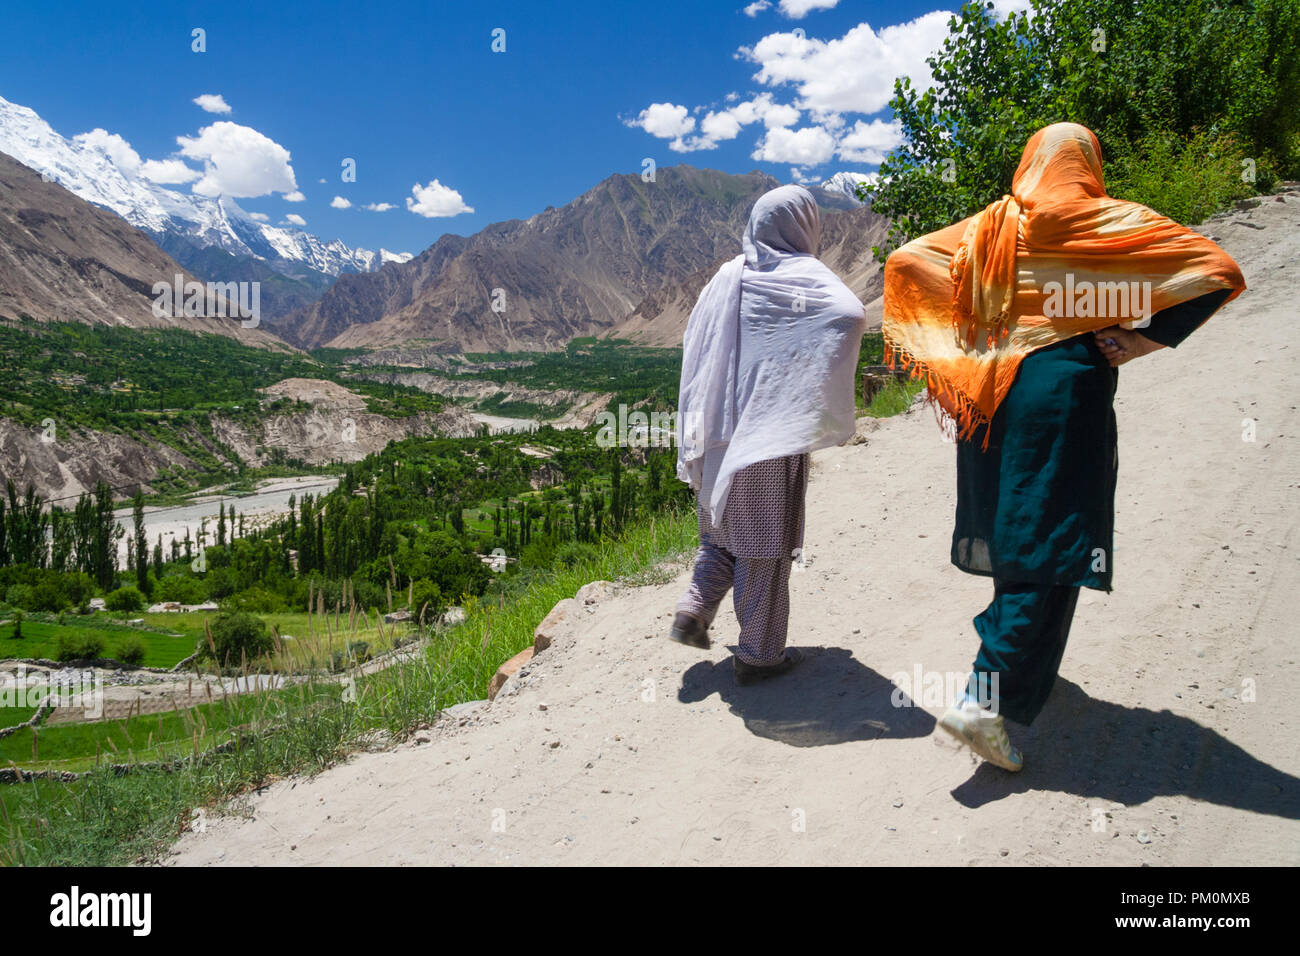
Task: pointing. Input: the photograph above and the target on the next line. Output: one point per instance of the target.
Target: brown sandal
(690, 631)
(747, 674)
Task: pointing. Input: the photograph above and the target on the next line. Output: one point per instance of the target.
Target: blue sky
(414, 93)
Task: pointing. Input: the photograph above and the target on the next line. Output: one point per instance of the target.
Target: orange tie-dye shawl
(966, 304)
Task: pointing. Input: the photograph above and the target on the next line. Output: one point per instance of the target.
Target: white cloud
(168, 172)
(796, 9)
(436, 201)
(841, 85)
(664, 120)
(804, 147)
(722, 125)
(338, 202)
(869, 142)
(259, 216)
(832, 76)
(115, 147)
(212, 103)
(380, 206)
(238, 161)
(296, 219)
(763, 108)
(294, 196)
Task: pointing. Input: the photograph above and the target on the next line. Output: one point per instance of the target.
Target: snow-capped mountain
(89, 172)
(845, 183)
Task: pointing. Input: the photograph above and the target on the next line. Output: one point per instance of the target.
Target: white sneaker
(983, 732)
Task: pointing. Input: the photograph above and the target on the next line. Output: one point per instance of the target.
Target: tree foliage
(1165, 84)
(238, 638)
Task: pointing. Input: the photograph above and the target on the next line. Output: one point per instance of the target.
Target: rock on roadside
(507, 670)
(556, 621)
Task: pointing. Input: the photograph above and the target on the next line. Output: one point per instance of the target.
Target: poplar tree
(141, 544)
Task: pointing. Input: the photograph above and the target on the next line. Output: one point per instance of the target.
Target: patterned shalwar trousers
(750, 553)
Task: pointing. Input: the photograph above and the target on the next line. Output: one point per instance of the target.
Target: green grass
(12, 716)
(169, 638)
(107, 819)
(493, 633)
(313, 650)
(894, 399)
(149, 737)
(311, 646)
(41, 637)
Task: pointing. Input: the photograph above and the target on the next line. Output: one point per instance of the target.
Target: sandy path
(646, 752)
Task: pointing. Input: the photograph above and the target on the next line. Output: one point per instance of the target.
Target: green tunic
(1038, 506)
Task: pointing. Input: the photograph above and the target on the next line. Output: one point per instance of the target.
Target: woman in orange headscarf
(1016, 319)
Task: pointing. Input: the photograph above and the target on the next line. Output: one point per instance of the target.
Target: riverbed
(270, 501)
(498, 424)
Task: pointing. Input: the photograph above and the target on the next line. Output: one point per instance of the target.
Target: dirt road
(1171, 737)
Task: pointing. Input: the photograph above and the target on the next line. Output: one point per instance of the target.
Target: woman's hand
(1119, 345)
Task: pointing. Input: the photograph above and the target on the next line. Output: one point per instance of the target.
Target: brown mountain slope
(579, 269)
(63, 259)
(847, 238)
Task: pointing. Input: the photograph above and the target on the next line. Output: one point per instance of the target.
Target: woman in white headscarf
(768, 365)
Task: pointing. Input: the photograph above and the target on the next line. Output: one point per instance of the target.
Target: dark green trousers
(1022, 639)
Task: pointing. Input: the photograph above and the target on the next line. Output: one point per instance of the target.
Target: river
(270, 501)
(498, 424)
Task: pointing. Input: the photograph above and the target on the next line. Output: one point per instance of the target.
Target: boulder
(508, 670)
(594, 592)
(560, 617)
(464, 709)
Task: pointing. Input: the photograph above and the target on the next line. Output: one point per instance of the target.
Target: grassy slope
(301, 729)
(41, 638)
(104, 819)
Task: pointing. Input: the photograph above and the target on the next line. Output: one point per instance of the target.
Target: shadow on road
(1094, 748)
(830, 698)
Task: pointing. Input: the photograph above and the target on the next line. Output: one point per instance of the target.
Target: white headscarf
(770, 352)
